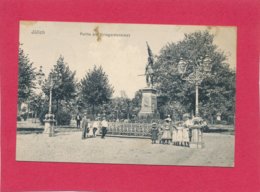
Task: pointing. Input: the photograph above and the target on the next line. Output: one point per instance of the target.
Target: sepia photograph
(111, 93)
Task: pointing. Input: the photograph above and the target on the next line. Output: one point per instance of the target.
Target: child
(167, 137)
(154, 133)
(95, 127)
(174, 135)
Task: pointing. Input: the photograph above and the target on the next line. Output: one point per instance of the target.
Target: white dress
(167, 133)
(174, 135)
(185, 134)
(180, 134)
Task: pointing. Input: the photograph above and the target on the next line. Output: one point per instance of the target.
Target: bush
(221, 122)
(42, 114)
(63, 118)
(19, 118)
(24, 116)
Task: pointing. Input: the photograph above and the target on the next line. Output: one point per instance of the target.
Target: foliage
(42, 113)
(36, 103)
(64, 83)
(24, 116)
(95, 88)
(123, 107)
(195, 53)
(218, 93)
(63, 117)
(136, 103)
(26, 76)
(18, 118)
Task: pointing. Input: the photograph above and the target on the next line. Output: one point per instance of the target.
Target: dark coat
(154, 133)
(84, 123)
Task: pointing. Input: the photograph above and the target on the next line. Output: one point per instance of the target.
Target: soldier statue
(149, 72)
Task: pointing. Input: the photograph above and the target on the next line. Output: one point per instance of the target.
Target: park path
(68, 147)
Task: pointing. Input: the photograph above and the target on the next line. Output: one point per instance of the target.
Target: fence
(141, 130)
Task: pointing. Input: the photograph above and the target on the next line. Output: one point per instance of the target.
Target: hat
(168, 119)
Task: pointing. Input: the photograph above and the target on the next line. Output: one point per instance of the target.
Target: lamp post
(200, 70)
(195, 72)
(40, 78)
(50, 118)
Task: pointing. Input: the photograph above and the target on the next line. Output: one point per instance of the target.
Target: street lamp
(50, 118)
(39, 78)
(199, 72)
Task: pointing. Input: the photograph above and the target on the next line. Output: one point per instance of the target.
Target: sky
(123, 56)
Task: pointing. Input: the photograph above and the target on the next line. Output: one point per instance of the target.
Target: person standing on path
(95, 127)
(154, 133)
(78, 119)
(174, 135)
(187, 131)
(104, 125)
(84, 126)
(167, 137)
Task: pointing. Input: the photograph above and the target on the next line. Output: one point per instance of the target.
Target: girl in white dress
(166, 136)
(185, 135)
(174, 135)
(179, 136)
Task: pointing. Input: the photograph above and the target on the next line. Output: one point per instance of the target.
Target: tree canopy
(64, 83)
(176, 65)
(26, 76)
(95, 88)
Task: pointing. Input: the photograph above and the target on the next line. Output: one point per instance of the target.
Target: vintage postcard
(126, 93)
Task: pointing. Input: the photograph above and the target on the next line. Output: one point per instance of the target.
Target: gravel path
(68, 147)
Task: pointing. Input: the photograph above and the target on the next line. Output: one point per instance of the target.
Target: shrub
(63, 118)
(24, 116)
(42, 114)
(19, 118)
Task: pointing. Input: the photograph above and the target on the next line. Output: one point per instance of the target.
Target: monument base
(149, 103)
(196, 137)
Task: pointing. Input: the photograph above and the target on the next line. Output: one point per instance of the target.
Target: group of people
(90, 129)
(167, 133)
(179, 135)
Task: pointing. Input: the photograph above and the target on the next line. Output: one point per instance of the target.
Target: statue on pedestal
(149, 72)
(149, 98)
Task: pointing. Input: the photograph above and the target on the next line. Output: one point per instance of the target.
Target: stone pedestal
(149, 103)
(196, 137)
(49, 122)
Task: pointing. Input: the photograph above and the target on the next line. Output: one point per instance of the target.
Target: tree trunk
(57, 105)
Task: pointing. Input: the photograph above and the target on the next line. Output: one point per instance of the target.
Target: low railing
(141, 130)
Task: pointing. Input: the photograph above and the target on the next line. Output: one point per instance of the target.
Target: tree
(26, 76)
(64, 83)
(218, 94)
(136, 103)
(195, 51)
(95, 88)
